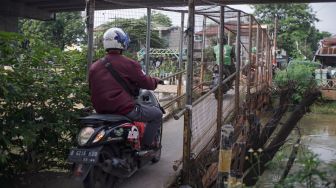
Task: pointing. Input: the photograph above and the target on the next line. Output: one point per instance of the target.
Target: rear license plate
(84, 155)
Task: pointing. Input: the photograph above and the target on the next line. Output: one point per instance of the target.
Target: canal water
(318, 135)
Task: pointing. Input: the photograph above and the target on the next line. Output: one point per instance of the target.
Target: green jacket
(227, 54)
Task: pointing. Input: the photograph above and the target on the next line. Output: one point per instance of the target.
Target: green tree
(68, 28)
(159, 19)
(136, 29)
(297, 33)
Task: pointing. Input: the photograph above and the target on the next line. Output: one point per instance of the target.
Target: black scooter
(109, 147)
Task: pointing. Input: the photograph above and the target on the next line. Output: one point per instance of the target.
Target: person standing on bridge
(110, 95)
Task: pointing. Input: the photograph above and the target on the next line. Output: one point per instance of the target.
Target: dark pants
(152, 115)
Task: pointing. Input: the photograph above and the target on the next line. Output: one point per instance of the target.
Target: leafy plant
(41, 92)
(299, 76)
(308, 173)
(68, 28)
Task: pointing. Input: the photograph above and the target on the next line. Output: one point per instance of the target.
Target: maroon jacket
(107, 95)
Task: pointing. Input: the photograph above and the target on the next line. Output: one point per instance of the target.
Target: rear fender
(81, 171)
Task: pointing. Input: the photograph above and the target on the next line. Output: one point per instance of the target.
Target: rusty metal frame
(248, 89)
(202, 53)
(257, 59)
(148, 35)
(220, 80)
(89, 26)
(188, 113)
(237, 66)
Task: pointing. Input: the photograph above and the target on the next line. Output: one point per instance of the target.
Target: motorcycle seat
(111, 118)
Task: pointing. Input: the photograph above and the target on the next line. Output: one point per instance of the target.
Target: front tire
(158, 139)
(97, 177)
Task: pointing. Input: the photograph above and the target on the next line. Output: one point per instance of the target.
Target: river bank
(324, 107)
(315, 164)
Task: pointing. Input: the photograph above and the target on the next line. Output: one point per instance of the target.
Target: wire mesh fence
(204, 123)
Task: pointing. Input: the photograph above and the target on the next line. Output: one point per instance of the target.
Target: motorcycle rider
(108, 96)
(228, 65)
(229, 57)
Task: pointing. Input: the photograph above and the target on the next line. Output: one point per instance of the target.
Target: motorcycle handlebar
(161, 82)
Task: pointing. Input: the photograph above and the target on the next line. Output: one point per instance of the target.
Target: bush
(40, 94)
(299, 76)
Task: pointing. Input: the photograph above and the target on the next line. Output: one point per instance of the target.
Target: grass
(324, 107)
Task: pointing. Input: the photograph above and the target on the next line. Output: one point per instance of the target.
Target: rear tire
(97, 177)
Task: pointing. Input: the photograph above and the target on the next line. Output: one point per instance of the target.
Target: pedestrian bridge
(194, 119)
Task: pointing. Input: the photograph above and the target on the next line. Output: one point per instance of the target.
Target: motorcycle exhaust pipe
(115, 163)
(118, 167)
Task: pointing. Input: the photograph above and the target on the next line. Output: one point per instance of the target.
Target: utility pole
(89, 27)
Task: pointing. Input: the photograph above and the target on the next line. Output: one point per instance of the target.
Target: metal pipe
(173, 75)
(270, 63)
(202, 53)
(229, 38)
(268, 59)
(257, 59)
(181, 41)
(179, 114)
(148, 35)
(213, 90)
(203, 39)
(179, 89)
(190, 36)
(188, 113)
(179, 78)
(90, 24)
(220, 79)
(248, 95)
(275, 38)
(262, 58)
(237, 66)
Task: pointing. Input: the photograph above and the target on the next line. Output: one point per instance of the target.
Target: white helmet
(115, 38)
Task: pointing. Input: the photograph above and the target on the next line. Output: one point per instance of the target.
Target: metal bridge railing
(171, 95)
